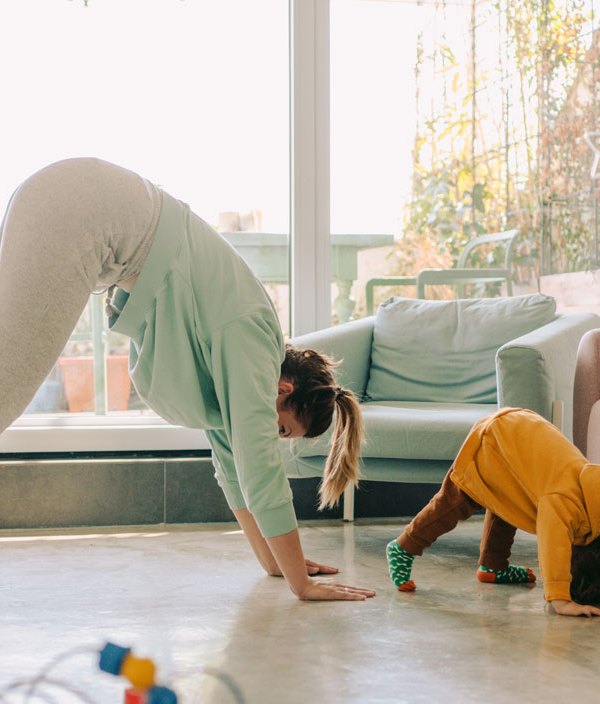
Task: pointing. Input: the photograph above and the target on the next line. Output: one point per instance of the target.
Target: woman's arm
(263, 552)
(288, 553)
(282, 556)
(257, 542)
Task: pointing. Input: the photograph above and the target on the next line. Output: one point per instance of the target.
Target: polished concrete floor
(194, 598)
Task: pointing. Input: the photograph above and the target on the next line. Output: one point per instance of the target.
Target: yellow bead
(139, 671)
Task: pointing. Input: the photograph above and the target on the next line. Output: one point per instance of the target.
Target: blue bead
(161, 695)
(111, 658)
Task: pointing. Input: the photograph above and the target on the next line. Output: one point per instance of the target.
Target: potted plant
(77, 371)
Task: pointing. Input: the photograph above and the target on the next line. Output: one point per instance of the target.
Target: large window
(194, 95)
(337, 140)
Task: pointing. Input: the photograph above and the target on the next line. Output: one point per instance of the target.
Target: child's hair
(315, 397)
(585, 573)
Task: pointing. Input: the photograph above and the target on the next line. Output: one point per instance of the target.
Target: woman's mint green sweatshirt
(206, 352)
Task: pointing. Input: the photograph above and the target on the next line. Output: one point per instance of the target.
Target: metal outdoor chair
(465, 274)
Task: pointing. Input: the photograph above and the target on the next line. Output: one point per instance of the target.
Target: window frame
(310, 257)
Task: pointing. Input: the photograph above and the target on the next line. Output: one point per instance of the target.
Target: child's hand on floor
(571, 608)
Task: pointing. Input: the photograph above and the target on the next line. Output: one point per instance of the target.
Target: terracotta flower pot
(78, 379)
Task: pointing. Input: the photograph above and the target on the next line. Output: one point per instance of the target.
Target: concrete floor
(193, 597)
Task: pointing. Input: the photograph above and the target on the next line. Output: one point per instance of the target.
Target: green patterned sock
(400, 566)
(513, 574)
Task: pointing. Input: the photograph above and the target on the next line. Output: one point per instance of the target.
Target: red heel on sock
(488, 577)
(409, 586)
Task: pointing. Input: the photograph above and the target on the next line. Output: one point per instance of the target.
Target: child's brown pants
(449, 506)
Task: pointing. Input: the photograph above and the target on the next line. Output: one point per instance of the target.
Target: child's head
(315, 397)
(585, 573)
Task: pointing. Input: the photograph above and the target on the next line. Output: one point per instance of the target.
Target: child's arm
(554, 536)
(555, 518)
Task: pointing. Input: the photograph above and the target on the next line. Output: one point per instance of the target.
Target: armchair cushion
(444, 351)
(409, 430)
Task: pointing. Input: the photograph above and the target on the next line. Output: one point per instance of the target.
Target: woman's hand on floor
(332, 591)
(572, 608)
(312, 568)
(287, 551)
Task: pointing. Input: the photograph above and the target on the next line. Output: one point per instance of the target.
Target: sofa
(425, 371)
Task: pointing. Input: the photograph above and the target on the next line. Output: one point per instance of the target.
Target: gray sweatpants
(70, 229)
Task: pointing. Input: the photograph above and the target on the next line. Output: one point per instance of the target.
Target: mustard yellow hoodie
(519, 466)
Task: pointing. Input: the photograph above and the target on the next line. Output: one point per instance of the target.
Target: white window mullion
(310, 221)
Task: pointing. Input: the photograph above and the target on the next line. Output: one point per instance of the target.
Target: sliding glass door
(194, 96)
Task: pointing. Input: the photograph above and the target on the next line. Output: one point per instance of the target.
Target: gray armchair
(423, 384)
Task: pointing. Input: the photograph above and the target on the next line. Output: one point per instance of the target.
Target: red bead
(136, 696)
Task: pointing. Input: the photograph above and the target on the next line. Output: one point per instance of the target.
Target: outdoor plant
(499, 144)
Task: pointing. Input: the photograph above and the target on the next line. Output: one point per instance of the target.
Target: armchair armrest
(459, 277)
(537, 369)
(586, 388)
(349, 343)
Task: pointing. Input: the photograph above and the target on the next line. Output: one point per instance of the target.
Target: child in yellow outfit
(527, 475)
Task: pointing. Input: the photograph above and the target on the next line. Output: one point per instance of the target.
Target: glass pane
(192, 95)
(373, 48)
(454, 120)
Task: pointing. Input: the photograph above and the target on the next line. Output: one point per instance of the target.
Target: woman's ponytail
(316, 400)
(342, 466)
